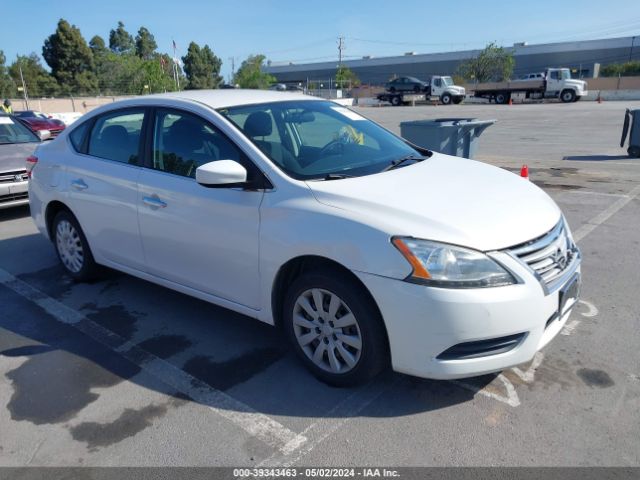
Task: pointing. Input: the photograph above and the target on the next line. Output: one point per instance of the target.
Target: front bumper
(423, 322)
(13, 194)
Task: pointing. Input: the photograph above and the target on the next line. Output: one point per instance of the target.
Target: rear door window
(116, 136)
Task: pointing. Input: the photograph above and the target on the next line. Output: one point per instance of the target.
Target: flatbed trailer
(556, 84)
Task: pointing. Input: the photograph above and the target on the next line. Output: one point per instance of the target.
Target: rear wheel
(396, 101)
(502, 98)
(72, 247)
(568, 96)
(335, 329)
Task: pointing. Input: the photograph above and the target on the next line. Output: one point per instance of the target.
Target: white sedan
(367, 250)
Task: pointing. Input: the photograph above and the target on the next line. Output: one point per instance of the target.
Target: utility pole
(233, 68)
(633, 40)
(24, 87)
(341, 47)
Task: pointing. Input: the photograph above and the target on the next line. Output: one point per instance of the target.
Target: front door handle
(78, 184)
(154, 202)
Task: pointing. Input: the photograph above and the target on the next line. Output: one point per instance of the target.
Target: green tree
(7, 85)
(121, 41)
(202, 67)
(70, 59)
(39, 82)
(627, 69)
(145, 44)
(250, 74)
(493, 64)
(346, 78)
(97, 45)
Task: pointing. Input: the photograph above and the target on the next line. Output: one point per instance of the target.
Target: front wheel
(72, 247)
(568, 96)
(446, 99)
(335, 329)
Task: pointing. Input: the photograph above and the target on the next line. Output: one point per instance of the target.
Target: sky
(304, 31)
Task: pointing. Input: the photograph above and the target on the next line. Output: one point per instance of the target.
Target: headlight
(442, 265)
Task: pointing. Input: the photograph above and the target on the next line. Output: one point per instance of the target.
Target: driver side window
(182, 142)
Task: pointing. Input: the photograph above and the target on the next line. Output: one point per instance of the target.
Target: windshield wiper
(335, 176)
(400, 161)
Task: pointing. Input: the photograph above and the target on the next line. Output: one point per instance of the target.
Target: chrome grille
(14, 176)
(548, 255)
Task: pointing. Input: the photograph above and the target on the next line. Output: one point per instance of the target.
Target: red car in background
(38, 121)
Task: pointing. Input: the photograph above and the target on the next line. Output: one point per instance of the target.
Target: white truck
(404, 90)
(556, 83)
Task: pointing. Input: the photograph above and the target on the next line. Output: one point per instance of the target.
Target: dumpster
(453, 136)
(631, 126)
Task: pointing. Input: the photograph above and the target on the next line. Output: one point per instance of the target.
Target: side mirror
(44, 135)
(221, 173)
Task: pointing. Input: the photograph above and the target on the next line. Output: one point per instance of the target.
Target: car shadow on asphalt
(596, 158)
(248, 360)
(14, 213)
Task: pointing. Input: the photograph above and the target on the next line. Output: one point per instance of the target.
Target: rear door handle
(154, 202)
(78, 184)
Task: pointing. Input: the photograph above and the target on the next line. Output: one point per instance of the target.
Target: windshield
(565, 74)
(448, 81)
(317, 139)
(12, 131)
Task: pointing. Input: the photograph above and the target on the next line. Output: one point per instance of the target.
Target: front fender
(303, 226)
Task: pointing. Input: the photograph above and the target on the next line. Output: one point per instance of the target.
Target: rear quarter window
(78, 135)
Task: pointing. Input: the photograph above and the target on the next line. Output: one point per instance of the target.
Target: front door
(199, 237)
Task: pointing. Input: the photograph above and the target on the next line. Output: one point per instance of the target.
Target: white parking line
(332, 421)
(605, 215)
(253, 422)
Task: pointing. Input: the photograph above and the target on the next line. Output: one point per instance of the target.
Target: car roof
(234, 97)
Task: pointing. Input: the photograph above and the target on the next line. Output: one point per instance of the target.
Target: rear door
(202, 238)
(103, 188)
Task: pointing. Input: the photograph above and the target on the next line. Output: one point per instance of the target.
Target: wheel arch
(53, 208)
(295, 267)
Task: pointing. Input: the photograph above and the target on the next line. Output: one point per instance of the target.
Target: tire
(458, 100)
(392, 89)
(634, 151)
(446, 99)
(320, 343)
(568, 96)
(502, 98)
(396, 101)
(72, 248)
(416, 89)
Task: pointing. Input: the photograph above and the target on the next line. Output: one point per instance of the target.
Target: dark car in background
(406, 84)
(17, 144)
(38, 121)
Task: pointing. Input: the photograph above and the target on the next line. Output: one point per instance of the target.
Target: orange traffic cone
(524, 172)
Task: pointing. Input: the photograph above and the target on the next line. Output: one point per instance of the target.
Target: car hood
(446, 199)
(14, 155)
(456, 89)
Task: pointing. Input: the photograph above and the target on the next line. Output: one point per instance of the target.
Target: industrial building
(583, 57)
